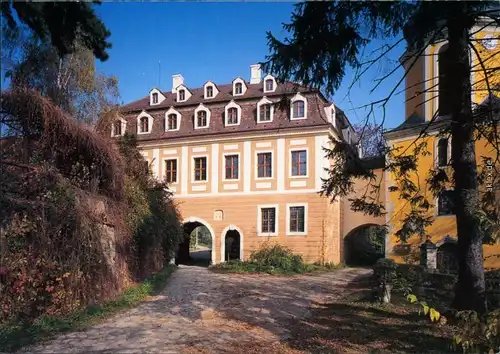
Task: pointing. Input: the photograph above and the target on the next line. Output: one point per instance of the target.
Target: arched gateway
(190, 224)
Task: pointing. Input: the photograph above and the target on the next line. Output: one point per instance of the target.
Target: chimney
(177, 80)
(255, 74)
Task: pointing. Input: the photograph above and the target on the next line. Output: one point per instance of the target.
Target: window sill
(298, 177)
(265, 234)
(295, 234)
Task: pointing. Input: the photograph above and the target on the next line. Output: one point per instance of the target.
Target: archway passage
(197, 246)
(233, 245)
(364, 245)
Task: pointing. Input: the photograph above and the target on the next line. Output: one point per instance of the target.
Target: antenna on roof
(159, 74)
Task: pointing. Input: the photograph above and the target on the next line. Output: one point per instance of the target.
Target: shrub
(275, 256)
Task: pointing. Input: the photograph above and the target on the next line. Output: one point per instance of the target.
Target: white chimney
(255, 74)
(177, 80)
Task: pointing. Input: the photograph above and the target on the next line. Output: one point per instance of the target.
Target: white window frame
(123, 126)
(298, 97)
(165, 159)
(170, 111)
(306, 211)
(187, 93)
(259, 220)
(291, 150)
(161, 97)
(201, 107)
(257, 165)
(232, 104)
(215, 91)
(193, 181)
(243, 86)
(264, 101)
(150, 123)
(436, 151)
(331, 112)
(269, 77)
(224, 166)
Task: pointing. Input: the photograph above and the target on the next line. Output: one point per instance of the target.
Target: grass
(254, 267)
(13, 336)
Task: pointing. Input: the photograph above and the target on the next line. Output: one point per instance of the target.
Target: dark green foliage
(277, 257)
(365, 245)
(61, 24)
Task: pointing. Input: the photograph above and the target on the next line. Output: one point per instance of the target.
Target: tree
(326, 37)
(371, 138)
(61, 24)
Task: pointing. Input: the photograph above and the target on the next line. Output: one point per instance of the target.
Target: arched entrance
(364, 245)
(198, 247)
(231, 244)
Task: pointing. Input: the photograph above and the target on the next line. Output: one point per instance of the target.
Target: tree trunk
(470, 290)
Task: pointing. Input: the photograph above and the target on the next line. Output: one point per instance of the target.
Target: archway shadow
(195, 253)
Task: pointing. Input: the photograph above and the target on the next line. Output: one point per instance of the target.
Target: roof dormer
(201, 117)
(144, 123)
(183, 93)
(269, 83)
(298, 107)
(232, 114)
(155, 97)
(210, 90)
(330, 113)
(239, 87)
(172, 120)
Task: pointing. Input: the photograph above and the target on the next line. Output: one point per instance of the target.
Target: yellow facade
(424, 76)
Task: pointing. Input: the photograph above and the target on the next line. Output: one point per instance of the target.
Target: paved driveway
(206, 312)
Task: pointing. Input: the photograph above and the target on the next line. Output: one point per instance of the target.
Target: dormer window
(155, 98)
(269, 85)
(117, 128)
(265, 111)
(182, 95)
(232, 116)
(144, 125)
(201, 119)
(210, 92)
(172, 121)
(238, 88)
(298, 109)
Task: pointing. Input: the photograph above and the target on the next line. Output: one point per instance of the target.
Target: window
(299, 163)
(265, 113)
(172, 121)
(210, 91)
(444, 99)
(298, 109)
(232, 115)
(238, 88)
(201, 119)
(297, 221)
(144, 125)
(182, 95)
(117, 130)
(268, 220)
(232, 162)
(155, 97)
(442, 150)
(264, 165)
(269, 85)
(200, 169)
(446, 203)
(171, 171)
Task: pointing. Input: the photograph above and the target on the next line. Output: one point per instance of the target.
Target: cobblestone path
(205, 312)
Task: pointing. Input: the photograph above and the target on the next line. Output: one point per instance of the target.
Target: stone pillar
(428, 255)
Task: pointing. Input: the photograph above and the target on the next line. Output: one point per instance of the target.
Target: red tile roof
(248, 121)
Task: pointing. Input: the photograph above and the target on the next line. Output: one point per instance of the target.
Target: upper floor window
(269, 85)
(200, 168)
(232, 115)
(264, 165)
(444, 69)
(171, 171)
(182, 95)
(446, 204)
(238, 88)
(117, 129)
(155, 97)
(299, 163)
(442, 152)
(172, 122)
(201, 119)
(210, 91)
(144, 125)
(298, 109)
(232, 166)
(265, 113)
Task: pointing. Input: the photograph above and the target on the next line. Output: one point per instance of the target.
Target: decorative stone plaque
(218, 215)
